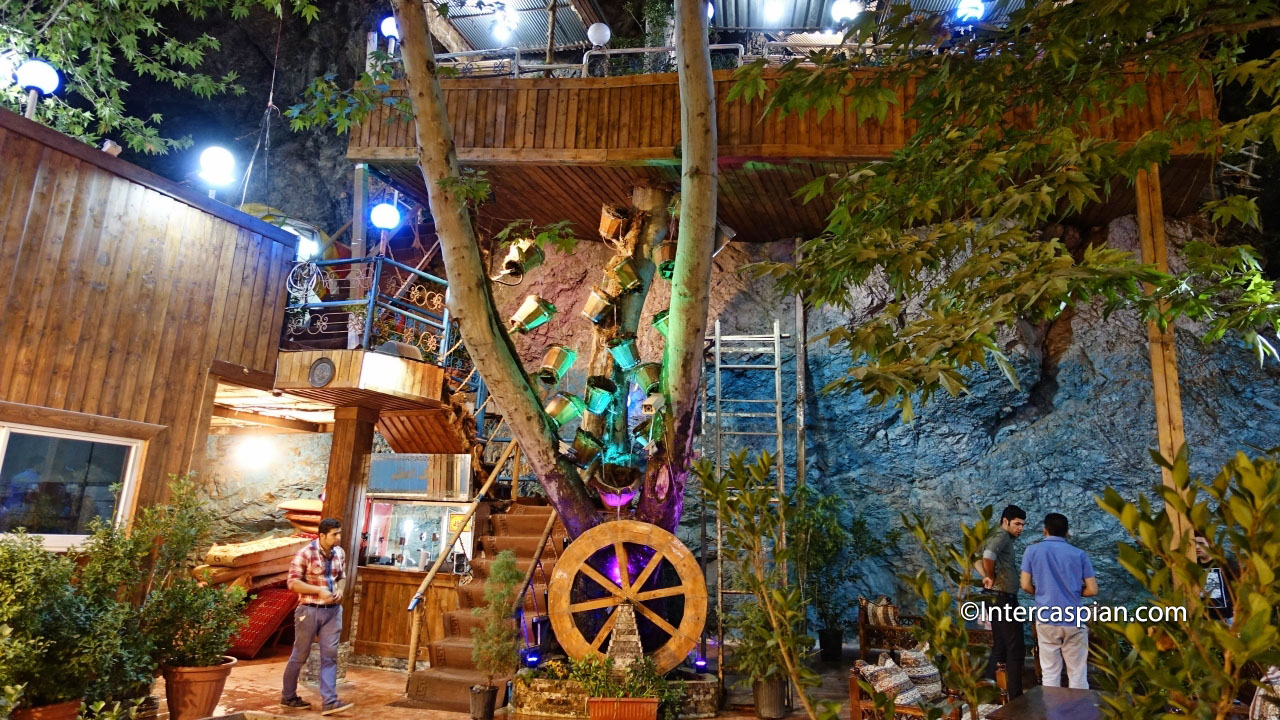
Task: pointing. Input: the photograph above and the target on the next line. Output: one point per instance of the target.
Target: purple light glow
(611, 570)
(700, 663)
(618, 499)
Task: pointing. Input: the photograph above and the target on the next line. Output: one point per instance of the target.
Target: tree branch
(1209, 31)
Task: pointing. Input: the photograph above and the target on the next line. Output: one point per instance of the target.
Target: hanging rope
(264, 129)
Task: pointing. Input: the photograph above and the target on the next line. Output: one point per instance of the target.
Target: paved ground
(254, 685)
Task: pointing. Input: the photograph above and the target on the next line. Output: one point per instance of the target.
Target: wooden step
(454, 652)
(460, 623)
(524, 546)
(471, 596)
(519, 525)
(450, 688)
(480, 568)
(520, 508)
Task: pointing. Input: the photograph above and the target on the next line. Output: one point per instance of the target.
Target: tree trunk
(662, 498)
(470, 299)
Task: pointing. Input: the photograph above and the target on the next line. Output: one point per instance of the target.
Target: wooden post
(200, 434)
(344, 488)
(1164, 357)
(359, 209)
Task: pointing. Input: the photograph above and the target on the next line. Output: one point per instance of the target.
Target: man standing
(1217, 581)
(999, 576)
(317, 575)
(1059, 575)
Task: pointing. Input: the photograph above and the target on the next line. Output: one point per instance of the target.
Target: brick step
(454, 652)
(524, 546)
(523, 525)
(480, 568)
(471, 595)
(450, 688)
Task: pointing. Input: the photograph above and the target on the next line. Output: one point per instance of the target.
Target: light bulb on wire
(773, 11)
(842, 10)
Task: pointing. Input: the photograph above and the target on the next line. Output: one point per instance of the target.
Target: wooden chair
(862, 706)
(893, 638)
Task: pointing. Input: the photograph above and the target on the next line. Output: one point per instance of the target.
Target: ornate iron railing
(642, 61)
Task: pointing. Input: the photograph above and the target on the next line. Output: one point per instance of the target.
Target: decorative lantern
(664, 256)
(660, 321)
(648, 377)
(564, 407)
(523, 256)
(624, 273)
(598, 306)
(532, 313)
(556, 363)
(586, 447)
(600, 391)
(624, 352)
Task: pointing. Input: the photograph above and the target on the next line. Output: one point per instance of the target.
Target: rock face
(245, 489)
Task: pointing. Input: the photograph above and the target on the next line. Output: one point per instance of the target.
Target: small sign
(455, 522)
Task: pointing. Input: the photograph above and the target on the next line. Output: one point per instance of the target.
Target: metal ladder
(749, 417)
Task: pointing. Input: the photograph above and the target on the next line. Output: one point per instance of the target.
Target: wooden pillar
(344, 488)
(1164, 356)
(200, 434)
(359, 210)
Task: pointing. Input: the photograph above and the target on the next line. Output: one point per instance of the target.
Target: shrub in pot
(496, 649)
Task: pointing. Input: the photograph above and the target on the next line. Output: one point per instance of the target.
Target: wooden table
(1051, 703)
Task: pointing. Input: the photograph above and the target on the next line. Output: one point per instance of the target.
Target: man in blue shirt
(1059, 575)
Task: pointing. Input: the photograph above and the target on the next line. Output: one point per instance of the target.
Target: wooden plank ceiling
(557, 149)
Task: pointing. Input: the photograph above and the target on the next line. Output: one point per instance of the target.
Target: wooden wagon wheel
(631, 544)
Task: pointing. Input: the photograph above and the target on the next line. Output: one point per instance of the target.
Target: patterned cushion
(887, 678)
(924, 674)
(983, 710)
(1266, 702)
(880, 612)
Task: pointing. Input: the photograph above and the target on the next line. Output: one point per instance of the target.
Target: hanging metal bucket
(564, 407)
(598, 306)
(600, 391)
(664, 256)
(523, 256)
(556, 363)
(616, 484)
(660, 322)
(532, 313)
(624, 352)
(586, 447)
(625, 274)
(648, 377)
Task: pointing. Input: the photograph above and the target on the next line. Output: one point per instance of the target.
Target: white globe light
(385, 216)
(389, 27)
(711, 11)
(842, 10)
(39, 75)
(773, 11)
(970, 10)
(505, 22)
(599, 34)
(217, 166)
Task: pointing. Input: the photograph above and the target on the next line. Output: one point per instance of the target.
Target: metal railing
(330, 299)
(777, 53)
(641, 61)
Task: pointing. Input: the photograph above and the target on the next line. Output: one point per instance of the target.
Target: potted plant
(496, 651)
(638, 693)
(756, 659)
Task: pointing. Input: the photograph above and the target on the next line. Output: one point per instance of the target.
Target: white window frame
(128, 486)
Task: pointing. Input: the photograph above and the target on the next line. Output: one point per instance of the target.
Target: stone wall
(245, 490)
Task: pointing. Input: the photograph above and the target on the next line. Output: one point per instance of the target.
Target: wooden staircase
(446, 684)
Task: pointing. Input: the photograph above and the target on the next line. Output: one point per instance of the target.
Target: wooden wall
(120, 289)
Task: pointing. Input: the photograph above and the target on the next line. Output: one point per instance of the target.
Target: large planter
(622, 708)
(483, 699)
(831, 644)
(193, 692)
(771, 698)
(61, 711)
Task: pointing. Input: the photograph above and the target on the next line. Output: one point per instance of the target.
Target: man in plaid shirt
(317, 575)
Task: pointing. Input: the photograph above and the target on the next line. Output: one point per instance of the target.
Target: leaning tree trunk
(470, 299)
(662, 498)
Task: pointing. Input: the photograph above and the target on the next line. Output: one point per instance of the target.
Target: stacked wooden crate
(252, 565)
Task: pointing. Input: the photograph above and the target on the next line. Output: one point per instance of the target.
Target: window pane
(55, 486)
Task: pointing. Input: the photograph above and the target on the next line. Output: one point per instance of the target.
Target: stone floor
(254, 686)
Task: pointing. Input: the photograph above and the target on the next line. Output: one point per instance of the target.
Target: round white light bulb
(35, 74)
(505, 22)
(773, 11)
(842, 10)
(217, 166)
(711, 11)
(389, 27)
(385, 216)
(970, 10)
(255, 453)
(599, 34)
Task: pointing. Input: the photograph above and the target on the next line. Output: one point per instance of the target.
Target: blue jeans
(309, 622)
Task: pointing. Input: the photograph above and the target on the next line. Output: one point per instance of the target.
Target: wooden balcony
(557, 149)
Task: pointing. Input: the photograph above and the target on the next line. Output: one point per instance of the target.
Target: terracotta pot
(61, 711)
(622, 708)
(193, 692)
(482, 701)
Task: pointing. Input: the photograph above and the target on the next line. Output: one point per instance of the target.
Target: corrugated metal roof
(531, 27)
(816, 14)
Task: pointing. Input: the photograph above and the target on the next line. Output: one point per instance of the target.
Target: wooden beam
(344, 487)
(77, 421)
(200, 439)
(1164, 356)
(443, 30)
(242, 376)
(260, 419)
